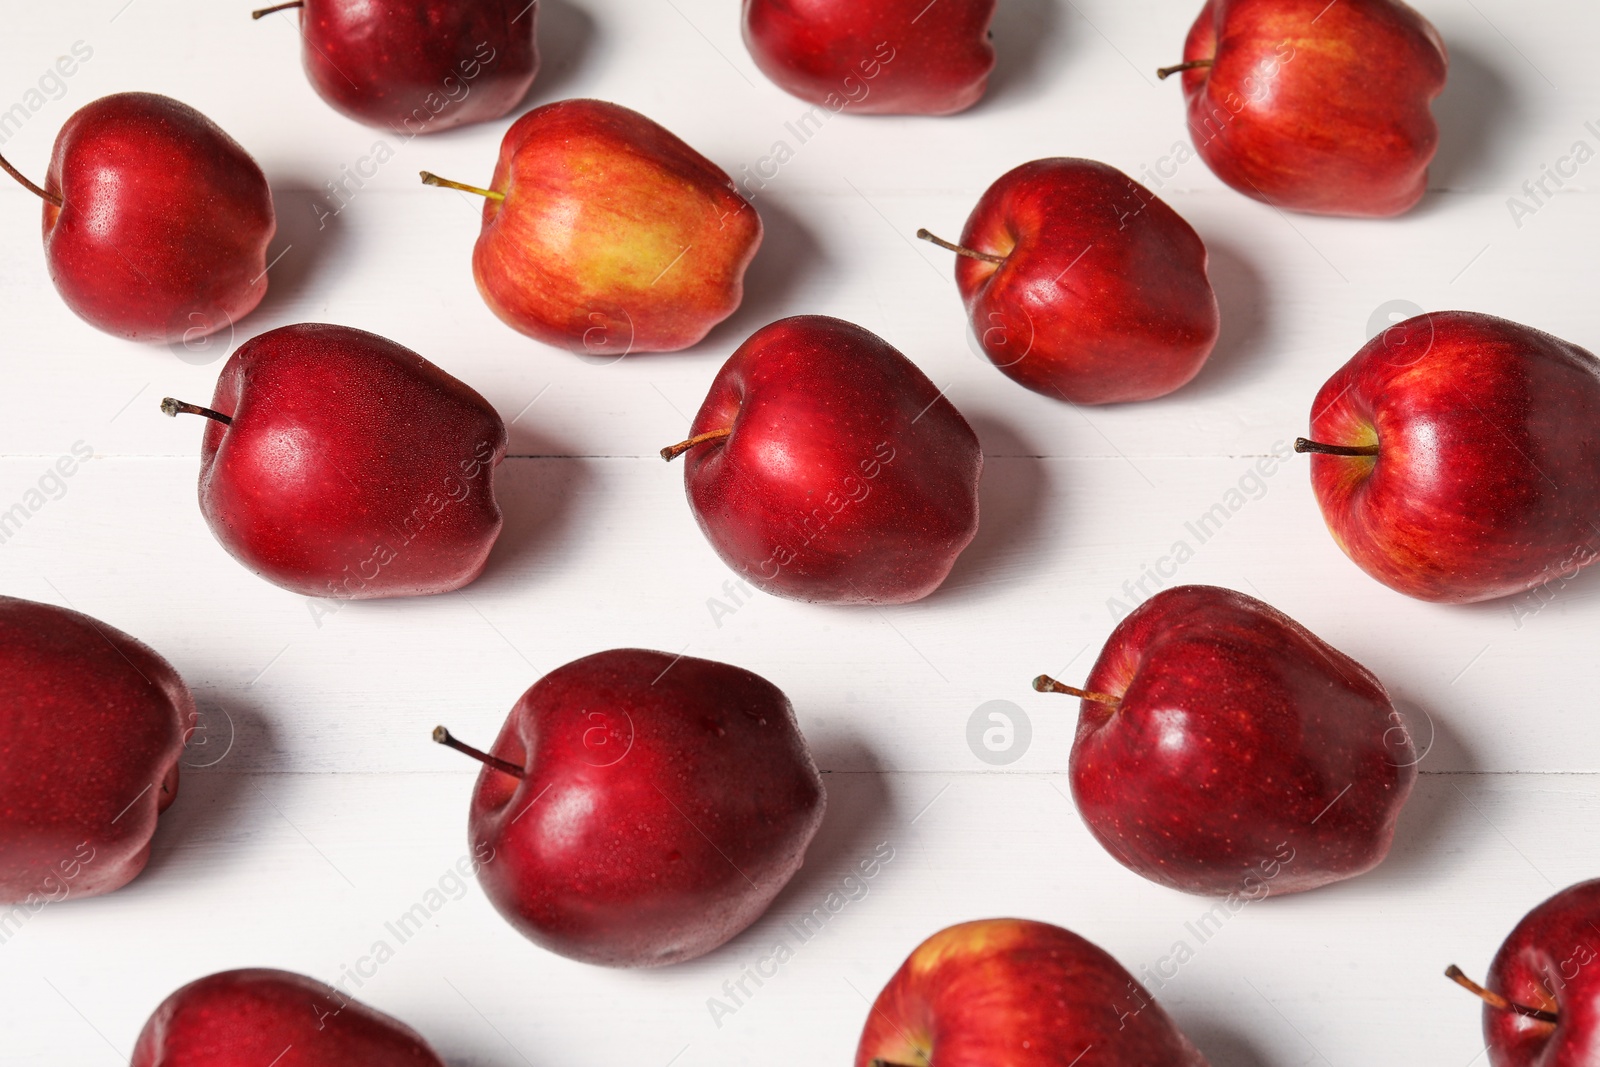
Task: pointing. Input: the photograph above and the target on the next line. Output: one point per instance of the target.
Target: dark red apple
(91, 730)
(875, 57)
(605, 234)
(1542, 1004)
(1084, 285)
(1315, 106)
(1019, 993)
(1222, 748)
(825, 466)
(641, 809)
(266, 1018)
(1456, 457)
(419, 66)
(156, 223)
(340, 464)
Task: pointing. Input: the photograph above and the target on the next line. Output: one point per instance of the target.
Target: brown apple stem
(1303, 445)
(173, 408)
(43, 194)
(1046, 684)
(430, 178)
(1495, 1000)
(959, 250)
(672, 452)
(442, 736)
(888, 1063)
(264, 12)
(1194, 64)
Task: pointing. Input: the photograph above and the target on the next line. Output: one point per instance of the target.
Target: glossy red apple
(1019, 993)
(825, 466)
(91, 730)
(1542, 1004)
(640, 809)
(156, 223)
(1084, 285)
(1222, 748)
(340, 464)
(1315, 106)
(419, 66)
(259, 1017)
(875, 57)
(1457, 457)
(605, 234)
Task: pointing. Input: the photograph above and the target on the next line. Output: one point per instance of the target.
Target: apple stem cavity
(430, 178)
(173, 408)
(1046, 684)
(959, 250)
(672, 452)
(443, 737)
(43, 194)
(264, 12)
(1495, 1000)
(887, 1063)
(1194, 64)
(1303, 445)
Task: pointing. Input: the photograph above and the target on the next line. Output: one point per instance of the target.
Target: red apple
(90, 734)
(605, 234)
(1315, 106)
(1457, 457)
(1542, 1004)
(875, 57)
(340, 464)
(1084, 285)
(1222, 748)
(419, 66)
(1022, 994)
(260, 1018)
(825, 466)
(640, 809)
(156, 223)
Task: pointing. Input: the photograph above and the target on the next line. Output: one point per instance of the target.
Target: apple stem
(959, 250)
(887, 1063)
(443, 737)
(173, 408)
(1303, 445)
(430, 178)
(264, 12)
(43, 194)
(1046, 684)
(672, 452)
(1194, 64)
(1495, 1000)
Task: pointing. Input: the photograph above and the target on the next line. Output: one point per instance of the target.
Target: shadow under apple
(1011, 495)
(860, 814)
(566, 36)
(1245, 308)
(537, 488)
(1477, 103)
(1028, 44)
(789, 253)
(192, 835)
(1222, 1046)
(310, 231)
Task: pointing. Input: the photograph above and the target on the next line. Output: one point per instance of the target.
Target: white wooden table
(317, 810)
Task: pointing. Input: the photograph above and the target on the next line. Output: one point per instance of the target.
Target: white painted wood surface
(331, 814)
